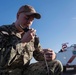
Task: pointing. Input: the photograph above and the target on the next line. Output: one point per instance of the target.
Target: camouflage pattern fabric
(38, 68)
(11, 50)
(15, 59)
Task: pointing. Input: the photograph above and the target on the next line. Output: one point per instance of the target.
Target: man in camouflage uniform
(19, 43)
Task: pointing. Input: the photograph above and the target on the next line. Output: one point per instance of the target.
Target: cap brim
(37, 15)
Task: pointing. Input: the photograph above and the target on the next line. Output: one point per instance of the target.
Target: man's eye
(27, 18)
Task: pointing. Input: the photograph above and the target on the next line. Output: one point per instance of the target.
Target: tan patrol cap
(29, 10)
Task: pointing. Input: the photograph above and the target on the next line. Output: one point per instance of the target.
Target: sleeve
(38, 55)
(3, 39)
(9, 45)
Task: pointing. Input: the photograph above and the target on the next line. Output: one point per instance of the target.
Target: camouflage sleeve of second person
(38, 53)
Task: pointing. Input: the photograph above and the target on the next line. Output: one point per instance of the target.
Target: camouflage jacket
(12, 53)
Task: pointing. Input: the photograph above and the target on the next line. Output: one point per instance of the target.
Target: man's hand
(28, 36)
(49, 54)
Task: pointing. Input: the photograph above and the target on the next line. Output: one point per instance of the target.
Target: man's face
(25, 20)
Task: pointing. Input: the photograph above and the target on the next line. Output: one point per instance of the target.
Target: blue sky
(57, 25)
